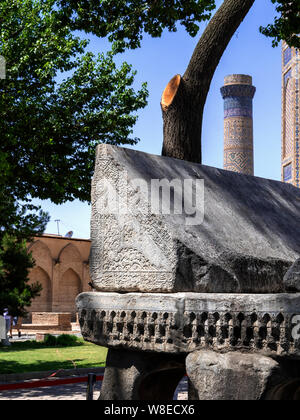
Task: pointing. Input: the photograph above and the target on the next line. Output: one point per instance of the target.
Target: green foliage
(49, 129)
(15, 263)
(19, 219)
(287, 25)
(49, 341)
(126, 21)
(67, 340)
(18, 223)
(63, 340)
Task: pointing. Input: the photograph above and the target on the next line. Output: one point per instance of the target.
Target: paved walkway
(66, 392)
(63, 392)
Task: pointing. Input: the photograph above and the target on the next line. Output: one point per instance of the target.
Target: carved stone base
(238, 376)
(141, 376)
(237, 346)
(185, 322)
(131, 375)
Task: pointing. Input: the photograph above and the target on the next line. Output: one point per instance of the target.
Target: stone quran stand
(216, 297)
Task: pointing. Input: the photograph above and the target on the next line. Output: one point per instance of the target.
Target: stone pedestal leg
(131, 375)
(231, 376)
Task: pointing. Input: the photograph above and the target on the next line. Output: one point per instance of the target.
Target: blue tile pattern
(297, 75)
(239, 106)
(238, 127)
(287, 56)
(287, 173)
(290, 115)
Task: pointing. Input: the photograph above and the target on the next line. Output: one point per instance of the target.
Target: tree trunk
(184, 98)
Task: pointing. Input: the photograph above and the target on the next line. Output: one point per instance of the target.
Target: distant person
(16, 322)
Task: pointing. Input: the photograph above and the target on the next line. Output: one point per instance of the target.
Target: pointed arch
(42, 303)
(70, 258)
(70, 253)
(69, 288)
(42, 256)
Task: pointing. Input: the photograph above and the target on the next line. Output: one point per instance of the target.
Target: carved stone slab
(241, 238)
(184, 322)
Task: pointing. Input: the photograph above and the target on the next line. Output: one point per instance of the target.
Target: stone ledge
(39, 327)
(185, 322)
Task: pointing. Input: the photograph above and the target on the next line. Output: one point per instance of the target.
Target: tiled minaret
(290, 115)
(238, 93)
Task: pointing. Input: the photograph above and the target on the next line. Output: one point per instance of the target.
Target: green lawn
(33, 357)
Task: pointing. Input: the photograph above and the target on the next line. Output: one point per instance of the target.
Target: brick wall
(62, 268)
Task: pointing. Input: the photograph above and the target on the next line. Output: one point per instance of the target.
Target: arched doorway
(42, 303)
(69, 289)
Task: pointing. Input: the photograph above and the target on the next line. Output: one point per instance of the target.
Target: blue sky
(159, 60)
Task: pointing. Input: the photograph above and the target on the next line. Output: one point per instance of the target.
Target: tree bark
(184, 98)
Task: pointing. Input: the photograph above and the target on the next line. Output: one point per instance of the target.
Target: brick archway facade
(69, 289)
(62, 267)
